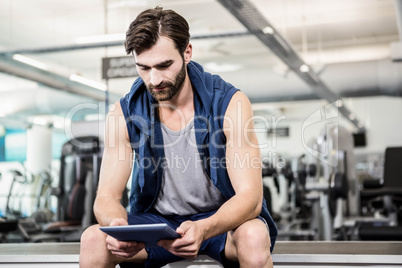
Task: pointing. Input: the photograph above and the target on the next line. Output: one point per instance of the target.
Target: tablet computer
(150, 234)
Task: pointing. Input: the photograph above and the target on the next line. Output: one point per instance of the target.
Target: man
(196, 160)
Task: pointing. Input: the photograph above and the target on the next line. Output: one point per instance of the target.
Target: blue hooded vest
(211, 99)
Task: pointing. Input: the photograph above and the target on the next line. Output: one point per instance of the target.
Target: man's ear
(188, 53)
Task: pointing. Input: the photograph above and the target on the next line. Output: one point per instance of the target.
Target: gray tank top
(186, 189)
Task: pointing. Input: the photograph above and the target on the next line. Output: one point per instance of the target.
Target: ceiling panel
(334, 37)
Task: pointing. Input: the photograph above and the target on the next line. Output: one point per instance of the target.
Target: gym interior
(325, 82)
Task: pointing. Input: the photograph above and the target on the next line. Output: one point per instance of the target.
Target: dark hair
(150, 24)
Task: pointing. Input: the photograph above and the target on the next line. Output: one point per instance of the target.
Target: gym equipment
(320, 187)
(7, 226)
(43, 191)
(268, 171)
(79, 174)
(295, 211)
(387, 199)
(20, 180)
(337, 194)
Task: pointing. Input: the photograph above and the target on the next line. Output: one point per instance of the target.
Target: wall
(381, 115)
(308, 119)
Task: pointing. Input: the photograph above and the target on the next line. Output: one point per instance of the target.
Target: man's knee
(253, 244)
(91, 236)
(94, 252)
(253, 232)
(93, 247)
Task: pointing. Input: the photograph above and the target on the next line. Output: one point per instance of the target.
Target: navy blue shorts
(158, 257)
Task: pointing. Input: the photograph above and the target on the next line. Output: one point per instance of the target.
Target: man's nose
(156, 77)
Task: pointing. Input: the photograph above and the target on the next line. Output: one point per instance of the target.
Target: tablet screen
(150, 234)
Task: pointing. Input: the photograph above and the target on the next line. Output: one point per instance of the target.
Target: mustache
(162, 84)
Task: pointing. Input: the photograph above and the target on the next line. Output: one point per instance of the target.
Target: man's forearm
(230, 215)
(106, 209)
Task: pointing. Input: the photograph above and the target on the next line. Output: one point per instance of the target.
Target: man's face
(167, 89)
(162, 69)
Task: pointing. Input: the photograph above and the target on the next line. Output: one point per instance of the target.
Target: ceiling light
(58, 124)
(304, 68)
(39, 121)
(94, 117)
(100, 38)
(268, 30)
(88, 82)
(339, 103)
(215, 67)
(136, 4)
(12, 83)
(125, 4)
(30, 61)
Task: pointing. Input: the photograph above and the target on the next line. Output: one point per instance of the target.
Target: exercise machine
(78, 180)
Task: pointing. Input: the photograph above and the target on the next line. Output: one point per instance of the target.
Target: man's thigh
(147, 218)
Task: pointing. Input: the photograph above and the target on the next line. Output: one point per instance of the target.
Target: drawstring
(143, 141)
(212, 169)
(141, 175)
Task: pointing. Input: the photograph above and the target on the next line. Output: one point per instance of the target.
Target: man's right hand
(121, 248)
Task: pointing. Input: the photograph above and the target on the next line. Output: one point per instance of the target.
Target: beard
(171, 88)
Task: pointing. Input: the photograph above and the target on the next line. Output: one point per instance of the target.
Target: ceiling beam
(398, 8)
(92, 45)
(258, 25)
(49, 79)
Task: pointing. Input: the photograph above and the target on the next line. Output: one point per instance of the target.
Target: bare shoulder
(116, 127)
(239, 105)
(238, 116)
(115, 109)
(239, 96)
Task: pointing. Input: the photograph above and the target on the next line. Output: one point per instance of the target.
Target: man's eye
(144, 68)
(164, 67)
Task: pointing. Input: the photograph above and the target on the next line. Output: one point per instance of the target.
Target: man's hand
(188, 245)
(121, 248)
